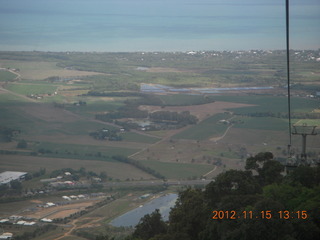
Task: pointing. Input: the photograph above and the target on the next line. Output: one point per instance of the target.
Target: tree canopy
(258, 203)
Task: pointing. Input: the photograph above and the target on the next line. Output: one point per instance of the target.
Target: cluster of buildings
(74, 197)
(41, 96)
(18, 220)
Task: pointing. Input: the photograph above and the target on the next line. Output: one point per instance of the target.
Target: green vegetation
(8, 98)
(27, 89)
(179, 69)
(269, 105)
(78, 94)
(185, 100)
(179, 170)
(96, 106)
(36, 233)
(261, 123)
(138, 164)
(240, 205)
(83, 127)
(6, 76)
(208, 128)
(134, 137)
(78, 151)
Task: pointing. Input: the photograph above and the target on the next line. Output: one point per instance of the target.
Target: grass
(134, 137)
(116, 170)
(6, 76)
(95, 107)
(28, 89)
(81, 151)
(207, 128)
(178, 170)
(10, 117)
(184, 100)
(262, 123)
(41, 69)
(270, 104)
(7, 99)
(83, 127)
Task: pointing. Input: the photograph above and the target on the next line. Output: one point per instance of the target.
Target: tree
(265, 196)
(306, 176)
(102, 237)
(16, 185)
(149, 226)
(269, 170)
(22, 144)
(231, 183)
(189, 216)
(103, 175)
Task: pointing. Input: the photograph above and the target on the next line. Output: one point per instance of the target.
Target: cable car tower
(304, 130)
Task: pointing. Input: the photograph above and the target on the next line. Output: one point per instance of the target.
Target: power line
(288, 73)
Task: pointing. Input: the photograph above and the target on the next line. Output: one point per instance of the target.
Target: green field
(134, 137)
(32, 88)
(79, 151)
(11, 117)
(6, 76)
(83, 127)
(95, 106)
(270, 104)
(185, 100)
(262, 123)
(210, 127)
(179, 170)
(7, 98)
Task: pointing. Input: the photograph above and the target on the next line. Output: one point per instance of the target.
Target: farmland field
(28, 89)
(6, 76)
(262, 123)
(29, 163)
(272, 104)
(39, 70)
(88, 112)
(179, 170)
(210, 127)
(61, 126)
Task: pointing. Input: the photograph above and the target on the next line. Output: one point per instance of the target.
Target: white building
(6, 235)
(47, 220)
(8, 176)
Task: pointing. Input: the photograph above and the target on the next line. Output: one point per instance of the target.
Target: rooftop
(8, 176)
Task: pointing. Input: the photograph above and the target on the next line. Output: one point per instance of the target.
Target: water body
(156, 25)
(133, 217)
(157, 88)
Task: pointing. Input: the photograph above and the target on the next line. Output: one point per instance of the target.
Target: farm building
(6, 235)
(8, 176)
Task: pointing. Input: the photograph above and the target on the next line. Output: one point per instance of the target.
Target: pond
(132, 218)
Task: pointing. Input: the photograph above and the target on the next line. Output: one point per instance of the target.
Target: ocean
(156, 25)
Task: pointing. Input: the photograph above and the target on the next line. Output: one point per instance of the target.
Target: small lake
(132, 218)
